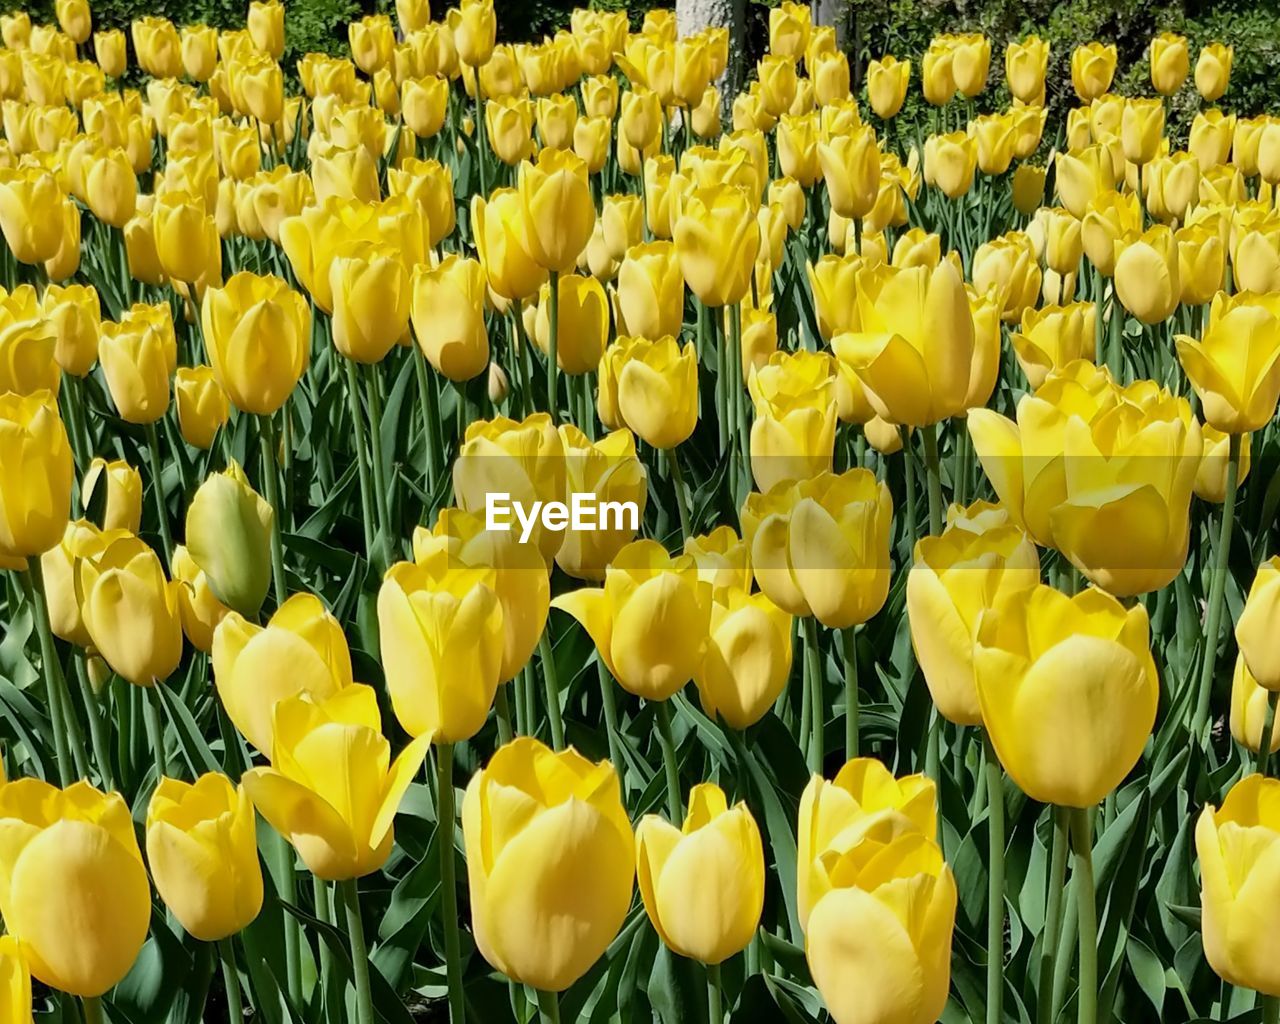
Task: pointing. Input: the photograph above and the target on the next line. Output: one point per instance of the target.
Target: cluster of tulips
(266, 359)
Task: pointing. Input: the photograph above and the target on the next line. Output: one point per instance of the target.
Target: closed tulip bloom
(16, 30)
(502, 243)
(371, 300)
(1211, 136)
(441, 635)
(993, 137)
(135, 363)
(198, 608)
(1109, 217)
(28, 343)
(1170, 62)
(424, 103)
(851, 168)
(793, 434)
(583, 323)
(140, 247)
(29, 213)
(448, 317)
(914, 342)
(1064, 245)
(1068, 691)
(747, 659)
(717, 239)
(1211, 475)
(1028, 188)
(202, 405)
(1172, 183)
(1235, 845)
(203, 851)
(703, 884)
(832, 281)
(1249, 710)
(1213, 70)
(35, 486)
(301, 650)
(1235, 366)
(591, 139)
(475, 32)
(870, 962)
(111, 188)
(657, 389)
(199, 48)
(950, 162)
(76, 317)
(1092, 68)
(1025, 65)
(558, 211)
(187, 239)
(109, 48)
(257, 332)
(372, 39)
(1141, 129)
(525, 459)
(649, 620)
(228, 530)
(887, 81)
(155, 41)
(979, 558)
(1052, 337)
(80, 844)
(1081, 177)
(1255, 255)
(266, 26)
(120, 497)
(830, 75)
(778, 83)
(937, 76)
(821, 546)
(798, 150)
(1256, 627)
(651, 290)
(549, 887)
(970, 62)
(333, 789)
(15, 980)
(350, 175)
(1146, 274)
(609, 469)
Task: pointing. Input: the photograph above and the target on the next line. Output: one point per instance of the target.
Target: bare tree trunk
(692, 16)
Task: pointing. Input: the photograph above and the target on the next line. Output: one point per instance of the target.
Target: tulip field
(536, 532)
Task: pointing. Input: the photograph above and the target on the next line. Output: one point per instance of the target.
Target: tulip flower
(503, 245)
(448, 317)
(199, 48)
(558, 212)
(475, 32)
(1109, 216)
(937, 76)
(1028, 188)
(1235, 366)
(821, 546)
(203, 851)
(1255, 629)
(15, 981)
(120, 497)
(333, 789)
(1170, 62)
(747, 659)
(76, 316)
(1146, 274)
(1068, 691)
(202, 405)
(371, 299)
(1052, 337)
(583, 323)
(523, 459)
(651, 291)
(228, 536)
(551, 887)
(851, 168)
(424, 104)
(591, 138)
(830, 75)
(793, 434)
(29, 218)
(717, 238)
(109, 49)
(950, 162)
(1211, 136)
(1142, 129)
(80, 844)
(1234, 845)
(832, 280)
(1025, 65)
(257, 333)
(981, 557)
(266, 26)
(1008, 264)
(609, 469)
(994, 139)
(703, 884)
(1081, 177)
(1251, 710)
(913, 345)
(35, 488)
(887, 81)
(198, 608)
(301, 650)
(1092, 67)
(652, 387)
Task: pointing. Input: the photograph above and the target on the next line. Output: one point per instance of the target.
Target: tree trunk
(692, 16)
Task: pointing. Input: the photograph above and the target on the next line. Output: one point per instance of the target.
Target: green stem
(1217, 588)
(909, 474)
(271, 479)
(995, 883)
(1082, 870)
(1115, 337)
(1270, 1010)
(610, 701)
(482, 139)
(549, 1007)
(155, 732)
(324, 914)
(50, 668)
(933, 473)
(552, 685)
(381, 492)
(682, 500)
(362, 456)
(430, 404)
(502, 711)
(1053, 914)
(350, 893)
(97, 729)
(282, 867)
(553, 347)
(235, 1001)
(92, 1009)
(813, 681)
(448, 883)
(675, 805)
(1264, 740)
(715, 1014)
(851, 699)
(153, 454)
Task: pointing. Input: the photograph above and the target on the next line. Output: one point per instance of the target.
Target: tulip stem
(851, 699)
(271, 481)
(715, 1014)
(430, 404)
(51, 668)
(813, 680)
(1053, 914)
(909, 474)
(448, 884)
(552, 685)
(231, 980)
(502, 712)
(682, 500)
(382, 493)
(1264, 739)
(153, 453)
(1087, 909)
(675, 807)
(92, 1009)
(97, 735)
(349, 891)
(609, 699)
(155, 731)
(995, 882)
(1270, 1010)
(549, 1007)
(1217, 588)
(362, 457)
(553, 343)
(933, 473)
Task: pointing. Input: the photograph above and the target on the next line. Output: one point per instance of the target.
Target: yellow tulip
(523, 459)
(970, 62)
(121, 499)
(747, 658)
(551, 886)
(1109, 217)
(1250, 703)
(1146, 274)
(1170, 62)
(201, 403)
(1211, 136)
(794, 431)
(979, 558)
(937, 76)
(649, 620)
(1068, 691)
(228, 530)
(832, 280)
(155, 41)
(1122, 514)
(80, 844)
(187, 239)
(1027, 123)
(448, 317)
(830, 75)
(1028, 188)
(198, 608)
(1081, 177)
(257, 333)
(301, 650)
(798, 151)
(333, 790)
(656, 388)
(1255, 629)
(372, 39)
(66, 261)
(60, 566)
(35, 488)
(135, 363)
(203, 852)
(821, 546)
(1211, 476)
(583, 323)
(110, 50)
(1025, 65)
(15, 978)
(371, 300)
(558, 211)
(199, 48)
(1092, 68)
(1235, 366)
(111, 188)
(475, 31)
(29, 213)
(651, 291)
(502, 243)
(266, 26)
(659, 170)
(950, 162)
(1141, 129)
(1172, 184)
(691, 72)
(993, 138)
(591, 137)
(424, 104)
(600, 95)
(913, 344)
(1213, 70)
(1235, 846)
(703, 884)
(131, 610)
(887, 81)
(1052, 337)
(851, 168)
(717, 239)
(350, 175)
